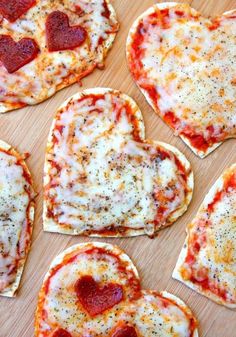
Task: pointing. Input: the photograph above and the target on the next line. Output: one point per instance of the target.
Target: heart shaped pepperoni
(186, 70)
(125, 331)
(96, 299)
(12, 9)
(60, 36)
(15, 55)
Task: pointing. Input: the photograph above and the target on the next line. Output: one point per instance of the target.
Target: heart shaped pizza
(48, 45)
(16, 217)
(93, 290)
(185, 66)
(102, 178)
(207, 262)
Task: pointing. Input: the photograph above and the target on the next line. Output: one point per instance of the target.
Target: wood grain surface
(27, 130)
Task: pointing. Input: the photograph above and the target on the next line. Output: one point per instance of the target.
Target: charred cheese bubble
(16, 218)
(184, 65)
(207, 262)
(81, 292)
(102, 178)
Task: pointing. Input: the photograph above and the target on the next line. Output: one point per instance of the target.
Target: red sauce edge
(197, 140)
(106, 12)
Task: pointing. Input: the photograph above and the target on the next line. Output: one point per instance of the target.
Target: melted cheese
(150, 313)
(191, 68)
(51, 71)
(15, 218)
(106, 177)
(217, 256)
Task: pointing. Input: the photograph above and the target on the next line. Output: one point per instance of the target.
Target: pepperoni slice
(125, 331)
(15, 55)
(60, 35)
(61, 333)
(12, 9)
(96, 299)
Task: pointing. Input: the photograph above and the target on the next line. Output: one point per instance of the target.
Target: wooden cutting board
(27, 130)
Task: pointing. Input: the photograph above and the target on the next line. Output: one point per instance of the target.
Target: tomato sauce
(229, 183)
(134, 121)
(217, 198)
(53, 272)
(196, 139)
(137, 52)
(215, 25)
(179, 13)
(58, 128)
(181, 170)
(106, 12)
(207, 285)
(152, 91)
(79, 10)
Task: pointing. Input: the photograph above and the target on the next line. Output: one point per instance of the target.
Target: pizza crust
(11, 290)
(132, 31)
(128, 311)
(183, 254)
(71, 78)
(50, 225)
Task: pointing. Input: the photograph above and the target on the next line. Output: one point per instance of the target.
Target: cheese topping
(15, 217)
(154, 315)
(51, 71)
(186, 67)
(210, 262)
(101, 177)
